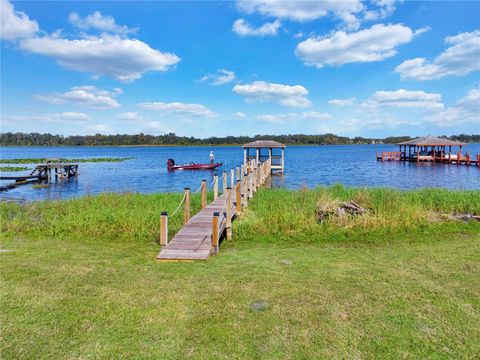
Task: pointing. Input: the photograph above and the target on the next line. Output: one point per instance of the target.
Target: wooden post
(254, 178)
(164, 229)
(204, 193)
(186, 207)
(238, 194)
(283, 160)
(232, 178)
(216, 214)
(229, 214)
(215, 186)
(250, 185)
(244, 155)
(238, 173)
(224, 182)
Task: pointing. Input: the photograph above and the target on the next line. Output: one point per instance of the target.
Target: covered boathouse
(431, 149)
(262, 150)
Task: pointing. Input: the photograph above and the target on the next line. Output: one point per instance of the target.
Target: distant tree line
(36, 139)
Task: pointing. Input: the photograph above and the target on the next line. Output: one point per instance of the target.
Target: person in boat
(212, 157)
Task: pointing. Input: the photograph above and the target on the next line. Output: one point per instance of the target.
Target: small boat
(191, 166)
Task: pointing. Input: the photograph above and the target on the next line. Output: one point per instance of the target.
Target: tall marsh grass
(273, 215)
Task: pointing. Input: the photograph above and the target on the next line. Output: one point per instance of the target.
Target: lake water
(352, 165)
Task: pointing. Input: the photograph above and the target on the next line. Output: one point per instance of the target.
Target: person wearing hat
(212, 157)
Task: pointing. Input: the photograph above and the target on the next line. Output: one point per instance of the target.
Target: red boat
(191, 166)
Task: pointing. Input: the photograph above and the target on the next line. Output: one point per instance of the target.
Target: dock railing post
(216, 214)
(232, 177)
(254, 177)
(229, 213)
(250, 185)
(224, 189)
(164, 229)
(186, 207)
(215, 186)
(238, 194)
(238, 173)
(204, 193)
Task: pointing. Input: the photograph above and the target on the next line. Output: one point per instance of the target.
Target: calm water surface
(305, 166)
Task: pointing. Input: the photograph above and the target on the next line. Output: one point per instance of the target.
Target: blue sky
(206, 68)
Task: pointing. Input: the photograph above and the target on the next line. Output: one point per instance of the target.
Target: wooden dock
(193, 241)
(200, 236)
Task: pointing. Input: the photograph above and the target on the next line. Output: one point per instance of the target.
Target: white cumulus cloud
(466, 109)
(461, 58)
(342, 102)
(261, 91)
(350, 13)
(240, 115)
(62, 117)
(99, 22)
(283, 118)
(405, 99)
(243, 28)
(88, 96)
(374, 44)
(221, 77)
(111, 55)
(100, 129)
(15, 24)
(178, 108)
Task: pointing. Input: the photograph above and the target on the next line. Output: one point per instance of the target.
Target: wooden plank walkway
(194, 240)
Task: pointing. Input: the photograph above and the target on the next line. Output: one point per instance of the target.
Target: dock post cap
(229, 188)
(186, 188)
(204, 180)
(164, 213)
(216, 213)
(238, 181)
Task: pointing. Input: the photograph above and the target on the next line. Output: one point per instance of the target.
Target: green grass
(65, 160)
(13, 168)
(400, 282)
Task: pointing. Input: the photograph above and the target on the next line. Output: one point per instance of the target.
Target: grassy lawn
(398, 282)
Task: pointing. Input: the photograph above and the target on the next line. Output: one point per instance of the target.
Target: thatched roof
(431, 141)
(264, 144)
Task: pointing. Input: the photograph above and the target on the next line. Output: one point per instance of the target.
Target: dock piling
(186, 208)
(216, 214)
(204, 193)
(215, 187)
(164, 229)
(229, 214)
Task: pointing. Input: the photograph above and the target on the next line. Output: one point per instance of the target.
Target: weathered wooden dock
(200, 236)
(43, 172)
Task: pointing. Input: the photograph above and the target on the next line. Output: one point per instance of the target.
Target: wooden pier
(43, 172)
(201, 234)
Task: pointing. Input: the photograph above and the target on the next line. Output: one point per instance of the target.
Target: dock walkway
(200, 235)
(193, 241)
